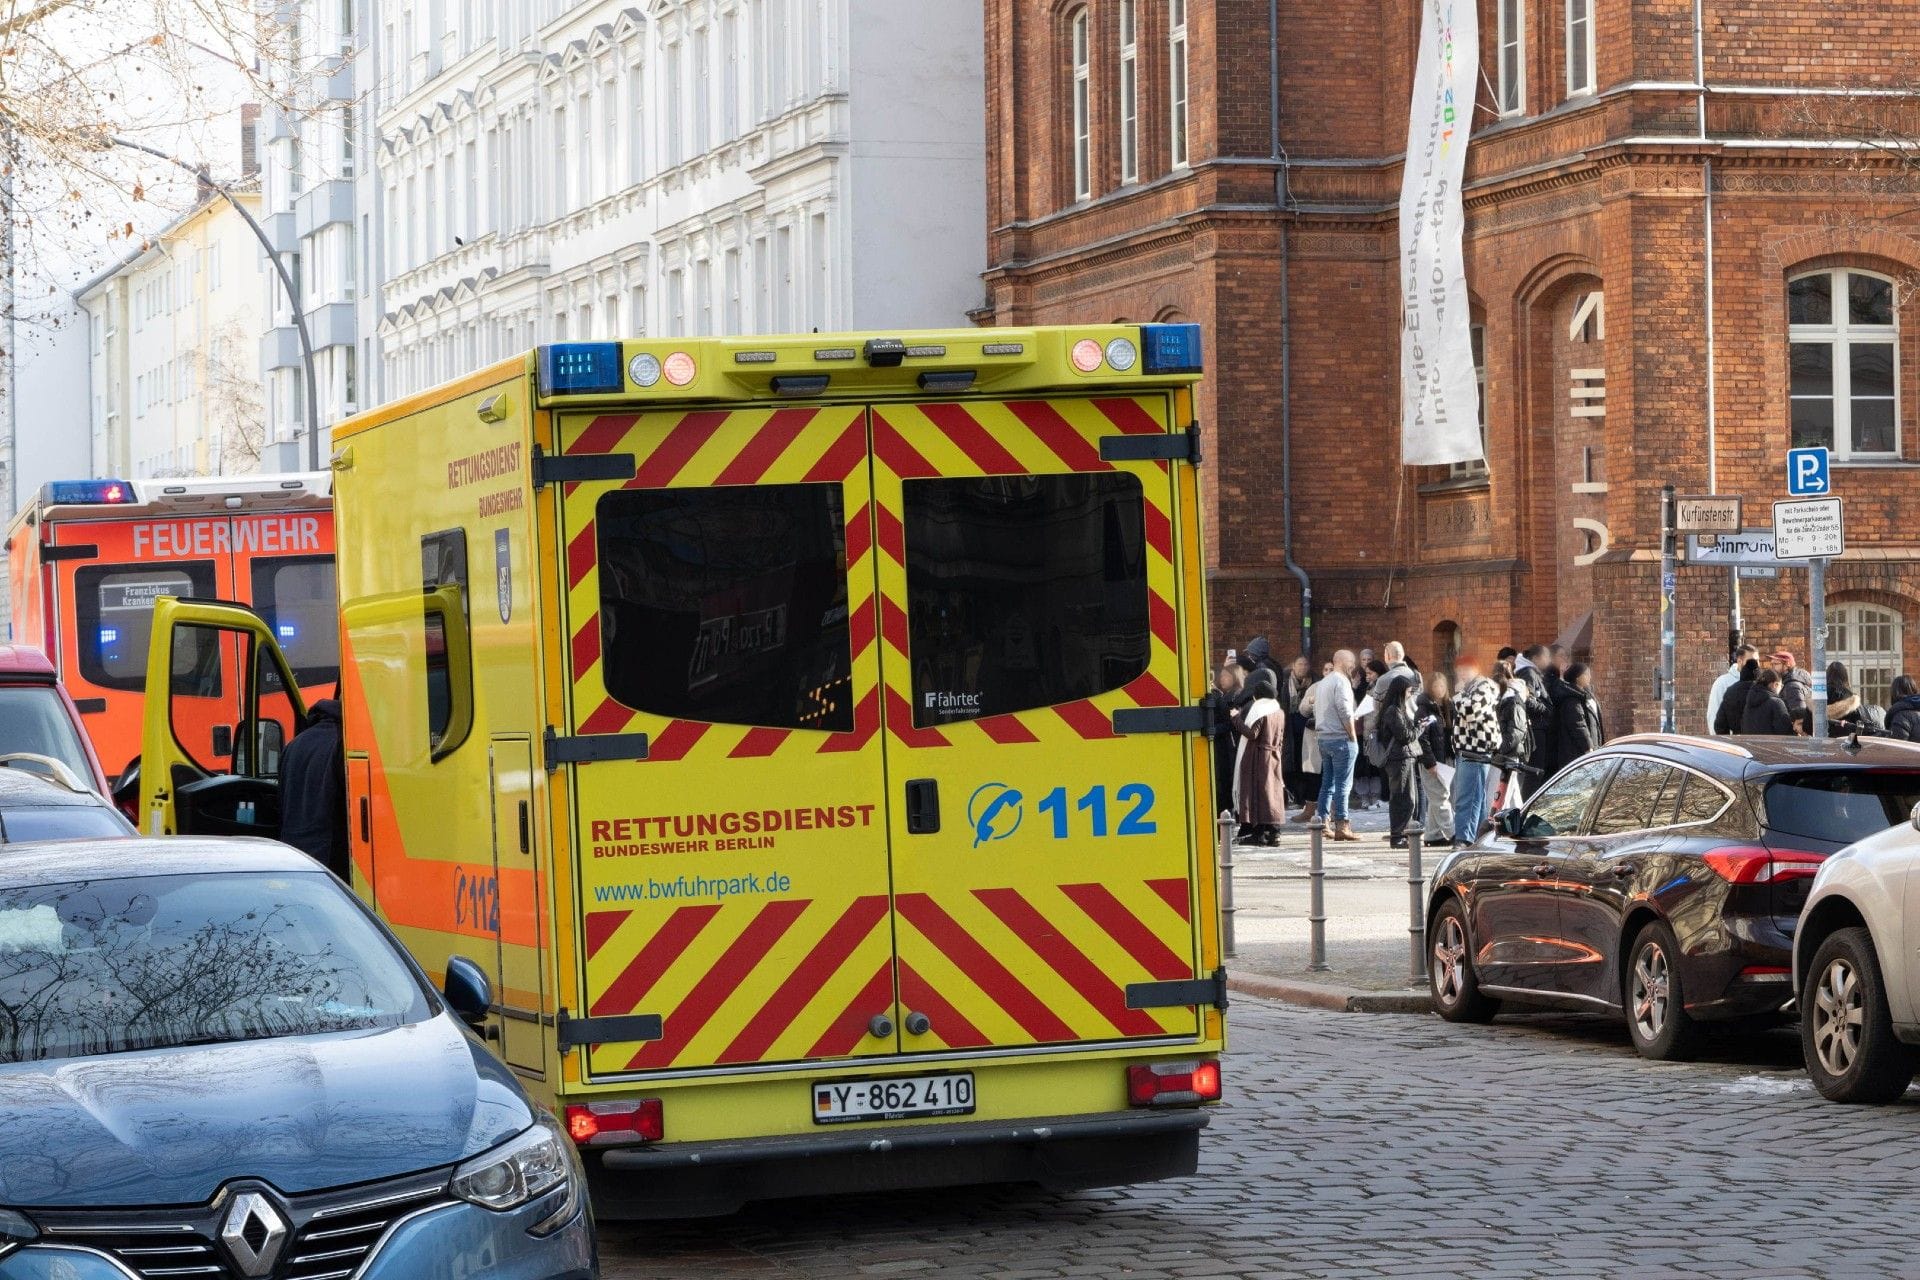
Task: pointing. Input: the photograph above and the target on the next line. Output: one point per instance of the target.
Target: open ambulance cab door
(211, 746)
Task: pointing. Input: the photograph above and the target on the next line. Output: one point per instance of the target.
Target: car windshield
(34, 719)
(1840, 805)
(62, 822)
(112, 966)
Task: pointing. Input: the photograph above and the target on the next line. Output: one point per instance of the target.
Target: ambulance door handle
(880, 1026)
(923, 807)
(366, 820)
(918, 1024)
(526, 842)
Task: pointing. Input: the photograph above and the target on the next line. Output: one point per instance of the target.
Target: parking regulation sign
(1809, 474)
(1812, 529)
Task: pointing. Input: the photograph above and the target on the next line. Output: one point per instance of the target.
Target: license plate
(895, 1098)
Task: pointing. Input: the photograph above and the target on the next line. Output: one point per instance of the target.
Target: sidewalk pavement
(1369, 953)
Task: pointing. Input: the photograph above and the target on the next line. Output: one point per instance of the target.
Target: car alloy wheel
(1449, 961)
(1651, 992)
(1839, 1009)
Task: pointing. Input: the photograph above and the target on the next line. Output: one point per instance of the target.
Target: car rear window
(34, 721)
(62, 822)
(1841, 805)
(1024, 592)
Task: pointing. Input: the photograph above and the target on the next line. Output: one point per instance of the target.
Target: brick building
(1145, 165)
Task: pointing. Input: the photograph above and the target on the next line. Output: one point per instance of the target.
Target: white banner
(1440, 414)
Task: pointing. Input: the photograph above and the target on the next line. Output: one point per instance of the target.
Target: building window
(1511, 51)
(1845, 351)
(1866, 638)
(1177, 78)
(1474, 470)
(1082, 139)
(1580, 61)
(1129, 93)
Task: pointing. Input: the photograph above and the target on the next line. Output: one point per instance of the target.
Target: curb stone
(1317, 995)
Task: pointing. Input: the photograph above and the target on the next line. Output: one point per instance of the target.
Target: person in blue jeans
(1333, 725)
(1476, 740)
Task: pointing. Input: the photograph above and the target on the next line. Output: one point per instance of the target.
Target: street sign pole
(1817, 606)
(1668, 582)
(1736, 625)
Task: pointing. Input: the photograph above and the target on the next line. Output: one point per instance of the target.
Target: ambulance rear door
(1040, 789)
(723, 740)
(283, 566)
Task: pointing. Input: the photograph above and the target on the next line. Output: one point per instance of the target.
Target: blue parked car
(215, 1063)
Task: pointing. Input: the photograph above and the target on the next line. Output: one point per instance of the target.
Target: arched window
(1082, 104)
(1845, 357)
(1129, 92)
(1867, 638)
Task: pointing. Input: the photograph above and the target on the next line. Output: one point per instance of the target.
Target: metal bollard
(1417, 907)
(1228, 826)
(1317, 899)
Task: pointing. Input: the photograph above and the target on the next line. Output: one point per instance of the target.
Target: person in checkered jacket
(1476, 743)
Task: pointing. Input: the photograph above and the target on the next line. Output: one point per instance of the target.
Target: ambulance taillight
(78, 492)
(1173, 1084)
(624, 1122)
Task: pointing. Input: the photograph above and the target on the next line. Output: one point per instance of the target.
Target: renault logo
(254, 1233)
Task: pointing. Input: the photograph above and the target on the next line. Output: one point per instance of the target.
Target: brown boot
(1307, 814)
(1344, 831)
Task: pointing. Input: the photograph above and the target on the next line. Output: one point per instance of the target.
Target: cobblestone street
(1383, 1145)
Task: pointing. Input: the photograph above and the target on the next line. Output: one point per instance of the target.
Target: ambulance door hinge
(1188, 992)
(593, 748)
(1194, 719)
(1176, 446)
(560, 468)
(634, 1029)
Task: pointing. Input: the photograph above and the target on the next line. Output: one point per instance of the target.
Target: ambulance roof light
(62, 492)
(1170, 348)
(581, 368)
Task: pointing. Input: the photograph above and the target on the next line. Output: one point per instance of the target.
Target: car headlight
(518, 1171)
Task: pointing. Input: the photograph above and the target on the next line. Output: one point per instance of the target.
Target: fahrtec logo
(953, 701)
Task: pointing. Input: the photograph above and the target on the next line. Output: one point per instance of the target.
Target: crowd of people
(1774, 696)
(1441, 754)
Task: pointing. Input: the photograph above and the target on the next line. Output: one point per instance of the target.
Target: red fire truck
(87, 559)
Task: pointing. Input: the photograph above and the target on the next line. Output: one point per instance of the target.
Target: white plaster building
(551, 171)
(316, 217)
(172, 349)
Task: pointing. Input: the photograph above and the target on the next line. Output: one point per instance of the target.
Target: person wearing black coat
(1766, 711)
(1903, 713)
(1530, 667)
(1229, 686)
(1578, 728)
(313, 790)
(1733, 705)
(1398, 731)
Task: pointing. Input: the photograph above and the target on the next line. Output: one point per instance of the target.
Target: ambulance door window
(443, 584)
(1023, 592)
(207, 702)
(113, 609)
(295, 594)
(728, 605)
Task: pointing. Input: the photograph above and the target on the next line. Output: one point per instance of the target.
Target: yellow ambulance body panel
(806, 734)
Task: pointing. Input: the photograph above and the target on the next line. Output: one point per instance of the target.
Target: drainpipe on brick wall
(1283, 202)
(1736, 624)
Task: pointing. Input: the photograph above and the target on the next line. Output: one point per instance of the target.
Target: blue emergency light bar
(1170, 348)
(64, 492)
(581, 369)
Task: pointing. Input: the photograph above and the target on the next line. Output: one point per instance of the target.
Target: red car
(38, 718)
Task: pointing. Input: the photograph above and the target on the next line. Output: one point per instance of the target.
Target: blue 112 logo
(995, 811)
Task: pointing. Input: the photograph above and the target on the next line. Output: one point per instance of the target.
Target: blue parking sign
(1808, 474)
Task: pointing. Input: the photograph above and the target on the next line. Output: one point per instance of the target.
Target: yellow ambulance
(805, 737)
